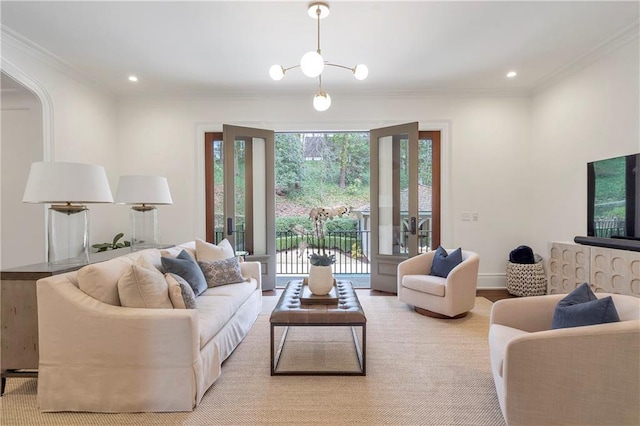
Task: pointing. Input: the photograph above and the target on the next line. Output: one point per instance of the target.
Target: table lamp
(144, 193)
(67, 186)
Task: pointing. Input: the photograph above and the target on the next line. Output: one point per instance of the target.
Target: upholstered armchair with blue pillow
(558, 360)
(440, 283)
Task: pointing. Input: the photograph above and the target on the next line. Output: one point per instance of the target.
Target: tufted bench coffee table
(289, 312)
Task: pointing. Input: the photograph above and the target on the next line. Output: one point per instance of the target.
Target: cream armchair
(570, 376)
(451, 297)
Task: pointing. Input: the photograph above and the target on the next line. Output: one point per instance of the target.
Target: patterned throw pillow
(180, 292)
(221, 272)
(187, 268)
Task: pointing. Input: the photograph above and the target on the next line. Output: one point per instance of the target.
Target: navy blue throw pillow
(187, 268)
(444, 262)
(581, 307)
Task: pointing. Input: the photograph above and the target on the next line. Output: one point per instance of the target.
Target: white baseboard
(496, 281)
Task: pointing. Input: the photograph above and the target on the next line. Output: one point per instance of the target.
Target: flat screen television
(613, 202)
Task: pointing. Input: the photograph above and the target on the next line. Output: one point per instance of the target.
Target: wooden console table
(19, 314)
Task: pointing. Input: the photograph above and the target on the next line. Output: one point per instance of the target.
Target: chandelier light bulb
(276, 72)
(321, 101)
(361, 71)
(312, 64)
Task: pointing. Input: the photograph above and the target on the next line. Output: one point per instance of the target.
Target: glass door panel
(240, 194)
(250, 196)
(425, 208)
(394, 202)
(428, 191)
(214, 187)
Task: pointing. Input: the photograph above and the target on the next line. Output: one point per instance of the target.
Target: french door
(405, 199)
(239, 165)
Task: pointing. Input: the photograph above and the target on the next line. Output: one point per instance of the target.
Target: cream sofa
(571, 376)
(96, 356)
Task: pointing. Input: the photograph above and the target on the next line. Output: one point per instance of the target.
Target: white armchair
(451, 297)
(570, 376)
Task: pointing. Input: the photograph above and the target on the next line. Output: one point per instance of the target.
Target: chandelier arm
(290, 68)
(339, 66)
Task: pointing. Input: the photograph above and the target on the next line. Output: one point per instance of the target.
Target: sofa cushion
(444, 262)
(221, 272)
(429, 284)
(180, 292)
(499, 338)
(151, 256)
(100, 280)
(187, 268)
(217, 305)
(174, 251)
(143, 286)
(207, 252)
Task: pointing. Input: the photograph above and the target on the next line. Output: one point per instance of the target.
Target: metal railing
(607, 227)
(293, 250)
(349, 247)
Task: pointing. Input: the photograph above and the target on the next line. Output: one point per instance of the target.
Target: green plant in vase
(112, 245)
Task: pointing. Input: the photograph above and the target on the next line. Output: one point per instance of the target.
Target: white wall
(488, 146)
(22, 225)
(591, 115)
(83, 130)
(519, 162)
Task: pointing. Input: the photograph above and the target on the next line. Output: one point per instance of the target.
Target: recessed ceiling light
(511, 74)
(133, 78)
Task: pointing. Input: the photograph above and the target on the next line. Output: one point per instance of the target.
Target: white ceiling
(228, 47)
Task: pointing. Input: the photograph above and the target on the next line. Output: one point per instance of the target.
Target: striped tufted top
(289, 310)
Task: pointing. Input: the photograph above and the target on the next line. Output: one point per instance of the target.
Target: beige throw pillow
(100, 280)
(208, 252)
(143, 286)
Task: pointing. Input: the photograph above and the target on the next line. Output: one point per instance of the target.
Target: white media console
(608, 270)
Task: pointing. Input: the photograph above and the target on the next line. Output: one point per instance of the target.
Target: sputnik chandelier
(312, 63)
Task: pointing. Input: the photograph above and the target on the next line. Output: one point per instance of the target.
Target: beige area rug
(420, 371)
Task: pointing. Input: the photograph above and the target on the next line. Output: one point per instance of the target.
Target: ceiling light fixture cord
(318, 13)
(312, 63)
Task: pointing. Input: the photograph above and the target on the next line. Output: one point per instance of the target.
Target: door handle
(229, 226)
(413, 226)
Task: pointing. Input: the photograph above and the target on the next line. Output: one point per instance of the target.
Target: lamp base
(144, 227)
(68, 235)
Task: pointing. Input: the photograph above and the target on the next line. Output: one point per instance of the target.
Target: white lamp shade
(151, 190)
(60, 182)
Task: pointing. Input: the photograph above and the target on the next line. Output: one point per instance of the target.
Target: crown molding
(28, 47)
(615, 42)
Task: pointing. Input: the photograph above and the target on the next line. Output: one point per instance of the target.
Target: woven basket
(526, 279)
